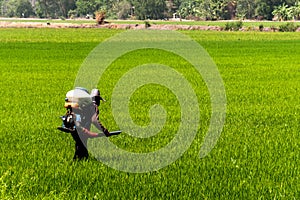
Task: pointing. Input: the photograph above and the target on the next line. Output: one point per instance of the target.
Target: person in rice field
(88, 113)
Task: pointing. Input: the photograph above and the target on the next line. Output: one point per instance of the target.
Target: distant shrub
(100, 16)
(249, 28)
(147, 24)
(288, 27)
(239, 24)
(261, 27)
(233, 26)
(273, 28)
(72, 14)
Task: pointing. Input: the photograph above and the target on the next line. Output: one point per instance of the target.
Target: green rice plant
(288, 27)
(233, 26)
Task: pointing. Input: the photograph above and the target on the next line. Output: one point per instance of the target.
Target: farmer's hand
(89, 133)
(106, 132)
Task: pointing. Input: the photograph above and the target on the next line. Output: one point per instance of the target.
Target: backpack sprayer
(69, 119)
(79, 97)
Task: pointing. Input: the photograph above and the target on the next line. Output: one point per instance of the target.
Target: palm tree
(282, 12)
(295, 11)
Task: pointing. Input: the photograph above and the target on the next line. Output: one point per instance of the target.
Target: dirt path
(43, 24)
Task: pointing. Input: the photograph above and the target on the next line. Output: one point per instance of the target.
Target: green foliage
(72, 14)
(282, 12)
(214, 9)
(149, 9)
(17, 8)
(295, 10)
(205, 9)
(84, 8)
(53, 8)
(288, 27)
(147, 24)
(245, 9)
(257, 156)
(233, 26)
(123, 10)
(188, 9)
(156, 9)
(261, 27)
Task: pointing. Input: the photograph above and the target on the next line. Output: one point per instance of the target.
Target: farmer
(89, 114)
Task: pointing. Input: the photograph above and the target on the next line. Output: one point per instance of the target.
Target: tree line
(154, 9)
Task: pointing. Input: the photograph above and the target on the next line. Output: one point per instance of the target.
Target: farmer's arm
(98, 125)
(89, 133)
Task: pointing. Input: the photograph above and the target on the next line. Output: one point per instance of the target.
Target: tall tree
(282, 12)
(65, 6)
(296, 10)
(47, 8)
(231, 8)
(17, 8)
(3, 8)
(214, 9)
(285, 12)
(149, 9)
(171, 7)
(24, 9)
(245, 9)
(54, 8)
(84, 7)
(121, 9)
(191, 8)
(264, 8)
(89, 7)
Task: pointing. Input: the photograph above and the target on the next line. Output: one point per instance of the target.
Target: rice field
(256, 156)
